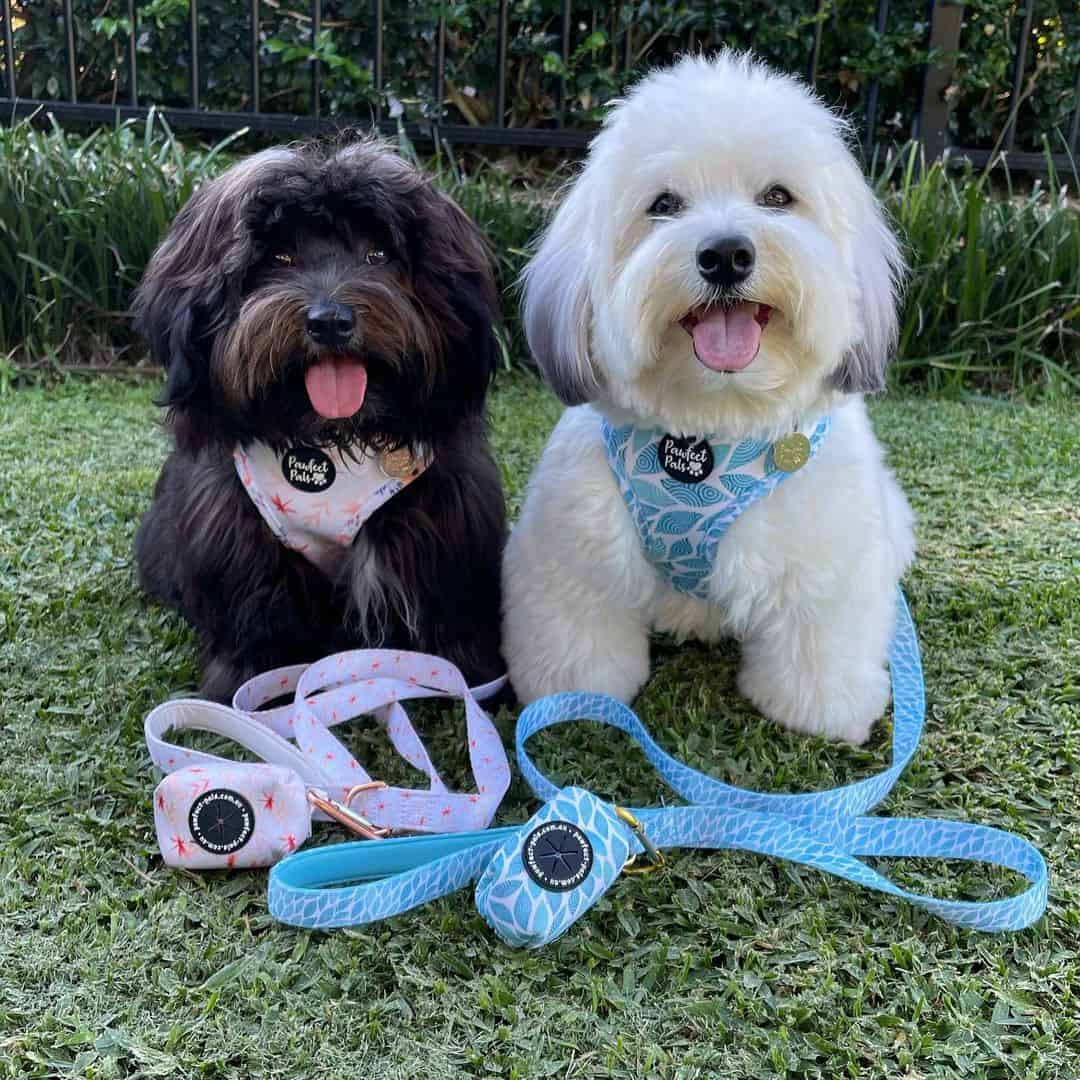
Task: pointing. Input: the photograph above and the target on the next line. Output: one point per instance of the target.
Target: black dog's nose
(329, 324)
(726, 260)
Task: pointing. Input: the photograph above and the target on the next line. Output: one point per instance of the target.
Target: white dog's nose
(726, 260)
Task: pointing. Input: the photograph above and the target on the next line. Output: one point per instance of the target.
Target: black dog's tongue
(336, 386)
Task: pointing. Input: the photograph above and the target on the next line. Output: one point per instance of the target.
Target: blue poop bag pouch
(553, 869)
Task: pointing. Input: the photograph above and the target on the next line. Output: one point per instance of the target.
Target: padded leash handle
(363, 882)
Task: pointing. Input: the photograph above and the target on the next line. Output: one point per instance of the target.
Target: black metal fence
(930, 126)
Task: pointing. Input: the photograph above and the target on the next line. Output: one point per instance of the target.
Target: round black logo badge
(686, 460)
(221, 821)
(308, 469)
(557, 856)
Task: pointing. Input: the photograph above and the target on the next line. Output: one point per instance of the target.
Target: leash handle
(389, 877)
(194, 714)
(837, 848)
(329, 692)
(394, 876)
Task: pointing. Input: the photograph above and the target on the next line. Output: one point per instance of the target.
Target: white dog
(718, 286)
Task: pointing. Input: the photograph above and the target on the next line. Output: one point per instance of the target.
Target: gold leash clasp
(654, 855)
(343, 813)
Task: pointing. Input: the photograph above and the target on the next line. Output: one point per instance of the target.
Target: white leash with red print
(214, 812)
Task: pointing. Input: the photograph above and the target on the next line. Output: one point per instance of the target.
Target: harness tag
(791, 452)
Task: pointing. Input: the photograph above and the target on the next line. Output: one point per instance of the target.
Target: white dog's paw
(620, 677)
(845, 709)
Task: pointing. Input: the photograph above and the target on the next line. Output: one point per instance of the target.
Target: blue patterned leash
(820, 807)
(535, 880)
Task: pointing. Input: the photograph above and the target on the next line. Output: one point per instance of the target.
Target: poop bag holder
(535, 880)
(230, 815)
(545, 877)
(210, 812)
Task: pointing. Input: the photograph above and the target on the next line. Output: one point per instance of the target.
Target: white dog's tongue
(727, 338)
(336, 386)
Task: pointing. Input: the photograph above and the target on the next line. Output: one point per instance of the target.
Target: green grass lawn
(725, 965)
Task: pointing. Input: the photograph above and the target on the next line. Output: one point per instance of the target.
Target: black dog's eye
(283, 257)
(376, 256)
(776, 198)
(666, 204)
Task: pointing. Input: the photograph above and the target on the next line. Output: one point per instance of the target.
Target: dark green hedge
(994, 297)
(852, 54)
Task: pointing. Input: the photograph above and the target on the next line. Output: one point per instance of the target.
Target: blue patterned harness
(681, 522)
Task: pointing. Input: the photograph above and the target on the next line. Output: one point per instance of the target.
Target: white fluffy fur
(806, 578)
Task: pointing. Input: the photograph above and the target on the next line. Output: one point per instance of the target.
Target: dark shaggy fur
(225, 304)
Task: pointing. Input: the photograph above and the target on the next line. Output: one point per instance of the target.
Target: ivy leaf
(553, 64)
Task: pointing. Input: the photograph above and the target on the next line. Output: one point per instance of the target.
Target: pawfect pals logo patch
(221, 821)
(308, 469)
(686, 459)
(557, 856)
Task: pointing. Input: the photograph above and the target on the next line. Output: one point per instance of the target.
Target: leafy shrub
(994, 298)
(79, 218)
(609, 43)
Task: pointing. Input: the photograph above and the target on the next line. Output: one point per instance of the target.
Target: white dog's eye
(283, 257)
(666, 204)
(776, 198)
(376, 256)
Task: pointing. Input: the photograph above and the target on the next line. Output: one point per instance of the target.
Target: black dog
(325, 306)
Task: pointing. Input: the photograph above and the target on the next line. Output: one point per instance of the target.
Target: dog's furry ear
(556, 309)
(193, 278)
(879, 270)
(176, 301)
(454, 279)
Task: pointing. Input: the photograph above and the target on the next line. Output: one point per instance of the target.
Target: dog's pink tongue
(727, 338)
(336, 386)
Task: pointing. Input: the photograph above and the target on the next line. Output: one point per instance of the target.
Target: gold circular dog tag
(397, 464)
(791, 452)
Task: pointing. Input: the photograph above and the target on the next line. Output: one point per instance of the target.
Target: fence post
(132, 59)
(69, 51)
(946, 18)
(377, 55)
(564, 53)
(815, 49)
(254, 61)
(1074, 124)
(439, 79)
(1019, 58)
(9, 46)
(193, 48)
(881, 21)
(500, 64)
(316, 67)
